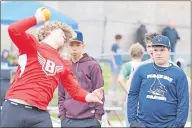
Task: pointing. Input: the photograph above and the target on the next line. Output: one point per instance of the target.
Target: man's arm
(113, 49)
(133, 96)
(61, 99)
(121, 82)
(97, 82)
(164, 33)
(183, 102)
(178, 37)
(113, 60)
(124, 73)
(20, 38)
(189, 88)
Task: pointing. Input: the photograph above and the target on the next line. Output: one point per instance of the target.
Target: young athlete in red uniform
(40, 70)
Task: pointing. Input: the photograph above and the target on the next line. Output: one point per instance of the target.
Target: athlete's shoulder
(177, 70)
(33, 38)
(173, 64)
(143, 67)
(89, 60)
(127, 63)
(147, 61)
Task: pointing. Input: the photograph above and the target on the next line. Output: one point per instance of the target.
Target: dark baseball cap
(78, 37)
(161, 40)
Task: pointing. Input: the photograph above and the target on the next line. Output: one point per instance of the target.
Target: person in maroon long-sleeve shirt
(73, 113)
(40, 70)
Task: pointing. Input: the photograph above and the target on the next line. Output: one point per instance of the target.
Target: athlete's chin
(74, 54)
(159, 62)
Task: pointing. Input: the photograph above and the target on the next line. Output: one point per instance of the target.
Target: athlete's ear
(49, 32)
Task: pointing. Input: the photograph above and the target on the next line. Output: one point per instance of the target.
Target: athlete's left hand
(96, 96)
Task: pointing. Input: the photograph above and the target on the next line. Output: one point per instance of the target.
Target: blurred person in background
(12, 75)
(140, 35)
(136, 52)
(15, 61)
(4, 58)
(89, 74)
(173, 36)
(148, 45)
(115, 65)
(158, 96)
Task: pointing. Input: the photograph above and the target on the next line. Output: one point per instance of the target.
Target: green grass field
(188, 72)
(106, 75)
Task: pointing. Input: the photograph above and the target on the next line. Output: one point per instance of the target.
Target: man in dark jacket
(89, 74)
(140, 35)
(172, 34)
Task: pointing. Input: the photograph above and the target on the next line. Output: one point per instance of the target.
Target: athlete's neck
(76, 59)
(117, 41)
(51, 43)
(163, 65)
(136, 59)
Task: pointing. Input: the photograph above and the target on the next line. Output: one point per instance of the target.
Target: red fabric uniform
(40, 69)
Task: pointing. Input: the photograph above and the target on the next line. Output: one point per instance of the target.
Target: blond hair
(136, 50)
(44, 30)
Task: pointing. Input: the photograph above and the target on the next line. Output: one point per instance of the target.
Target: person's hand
(100, 122)
(42, 14)
(115, 66)
(62, 117)
(96, 96)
